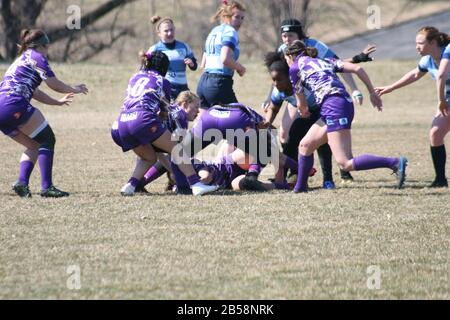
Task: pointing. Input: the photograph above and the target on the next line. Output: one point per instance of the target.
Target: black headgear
(292, 25)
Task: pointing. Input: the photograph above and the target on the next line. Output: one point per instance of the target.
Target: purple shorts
(222, 119)
(136, 128)
(337, 113)
(14, 111)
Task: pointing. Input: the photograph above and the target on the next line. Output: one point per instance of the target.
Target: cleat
(140, 189)
(345, 175)
(251, 183)
(439, 184)
(22, 190)
(401, 171)
(200, 188)
(128, 190)
(183, 190)
(328, 185)
(53, 192)
(346, 178)
(312, 172)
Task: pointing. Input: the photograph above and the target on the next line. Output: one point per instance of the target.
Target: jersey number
(139, 87)
(320, 65)
(211, 45)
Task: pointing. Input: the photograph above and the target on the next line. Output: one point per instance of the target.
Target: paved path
(396, 42)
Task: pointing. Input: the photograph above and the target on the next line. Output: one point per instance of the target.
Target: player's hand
(376, 101)
(189, 62)
(369, 49)
(443, 108)
(66, 100)
(241, 69)
(81, 88)
(265, 106)
(357, 97)
(383, 90)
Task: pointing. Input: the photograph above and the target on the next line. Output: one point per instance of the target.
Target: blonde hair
(431, 33)
(159, 21)
(226, 10)
(186, 96)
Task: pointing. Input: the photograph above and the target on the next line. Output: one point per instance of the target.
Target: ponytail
(31, 38)
(432, 33)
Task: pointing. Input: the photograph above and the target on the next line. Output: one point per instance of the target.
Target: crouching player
(139, 128)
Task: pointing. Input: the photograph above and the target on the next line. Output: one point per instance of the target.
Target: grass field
(229, 245)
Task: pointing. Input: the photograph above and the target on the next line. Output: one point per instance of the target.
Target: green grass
(229, 245)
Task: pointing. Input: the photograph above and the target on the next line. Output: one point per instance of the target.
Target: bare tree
(19, 14)
(267, 15)
(16, 15)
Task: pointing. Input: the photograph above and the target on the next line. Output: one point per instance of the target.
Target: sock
(193, 179)
(180, 178)
(367, 162)
(305, 163)
(152, 174)
(256, 168)
(439, 156)
(291, 164)
(134, 182)
(26, 167)
(45, 159)
(324, 153)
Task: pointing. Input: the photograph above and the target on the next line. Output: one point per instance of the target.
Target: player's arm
(408, 78)
(203, 63)
(302, 104)
(42, 97)
(226, 57)
(59, 86)
(272, 111)
(441, 78)
(348, 67)
(266, 104)
(364, 56)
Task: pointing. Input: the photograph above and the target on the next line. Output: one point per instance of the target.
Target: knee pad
(46, 139)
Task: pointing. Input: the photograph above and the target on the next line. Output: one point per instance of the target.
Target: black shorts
(215, 89)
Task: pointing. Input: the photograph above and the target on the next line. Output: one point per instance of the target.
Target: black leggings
(298, 130)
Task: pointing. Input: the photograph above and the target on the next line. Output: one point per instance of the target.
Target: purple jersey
(318, 76)
(26, 74)
(223, 173)
(145, 90)
(177, 119)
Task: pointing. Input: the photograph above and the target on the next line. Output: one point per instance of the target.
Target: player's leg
(316, 136)
(183, 162)
(439, 129)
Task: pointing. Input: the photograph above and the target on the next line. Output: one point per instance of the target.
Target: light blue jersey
(176, 52)
(220, 36)
(324, 52)
(427, 64)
